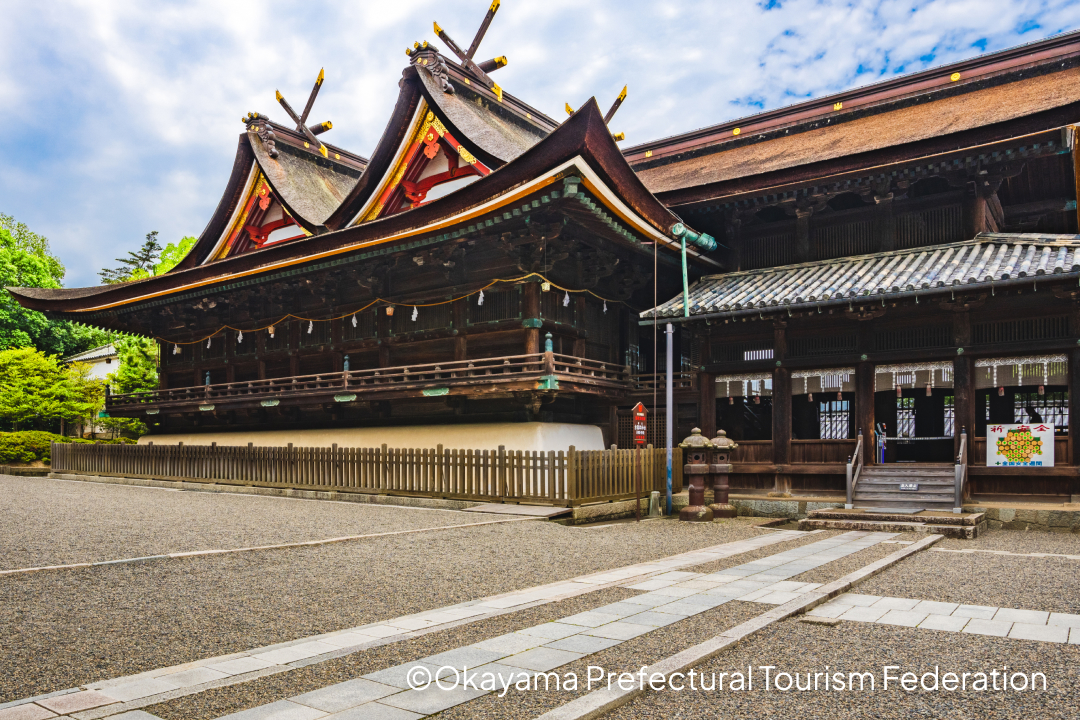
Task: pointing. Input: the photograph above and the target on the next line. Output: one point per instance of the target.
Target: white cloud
(122, 117)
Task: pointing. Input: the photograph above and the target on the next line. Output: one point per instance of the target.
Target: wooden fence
(560, 478)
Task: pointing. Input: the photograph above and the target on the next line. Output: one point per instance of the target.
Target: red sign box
(640, 424)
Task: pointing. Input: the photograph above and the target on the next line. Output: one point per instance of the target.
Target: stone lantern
(722, 447)
(696, 450)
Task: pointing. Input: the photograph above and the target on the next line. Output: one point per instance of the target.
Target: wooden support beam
(781, 425)
(884, 222)
(1074, 417)
(864, 407)
(707, 404)
(530, 309)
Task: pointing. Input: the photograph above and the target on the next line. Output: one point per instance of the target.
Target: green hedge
(27, 446)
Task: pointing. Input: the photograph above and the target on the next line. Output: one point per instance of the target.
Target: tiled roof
(989, 258)
(97, 353)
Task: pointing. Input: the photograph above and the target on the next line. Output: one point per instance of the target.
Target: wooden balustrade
(803, 452)
(647, 382)
(560, 478)
(476, 372)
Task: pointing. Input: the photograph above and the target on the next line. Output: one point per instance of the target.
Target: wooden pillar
(884, 222)
(864, 408)
(1074, 419)
(963, 401)
(707, 404)
(803, 245)
(461, 321)
(382, 323)
(781, 427)
(461, 347)
(735, 241)
(530, 310)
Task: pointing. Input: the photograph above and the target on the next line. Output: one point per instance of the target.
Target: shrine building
(900, 259)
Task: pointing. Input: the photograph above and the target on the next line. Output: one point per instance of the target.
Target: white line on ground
(281, 546)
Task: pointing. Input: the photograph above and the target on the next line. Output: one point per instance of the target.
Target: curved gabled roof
(581, 147)
(494, 130)
(308, 185)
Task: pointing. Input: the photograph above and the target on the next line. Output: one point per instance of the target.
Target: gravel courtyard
(67, 628)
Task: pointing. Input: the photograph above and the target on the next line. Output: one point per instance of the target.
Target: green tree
(36, 391)
(25, 261)
(138, 264)
(173, 254)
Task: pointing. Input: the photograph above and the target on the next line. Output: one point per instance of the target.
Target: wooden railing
(647, 382)
(960, 483)
(854, 467)
(801, 452)
(560, 478)
(480, 371)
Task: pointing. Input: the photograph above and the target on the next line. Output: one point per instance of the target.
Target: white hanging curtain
(913, 375)
(826, 380)
(1029, 370)
(744, 385)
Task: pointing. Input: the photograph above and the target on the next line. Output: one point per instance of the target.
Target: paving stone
(431, 699)
(195, 676)
(619, 630)
(552, 630)
(677, 575)
(586, 644)
(778, 597)
(750, 597)
(379, 631)
(592, 618)
(935, 608)
(286, 655)
(996, 628)
(829, 610)
(863, 614)
(856, 600)
(698, 584)
(652, 584)
(343, 696)
(463, 657)
(946, 623)
(374, 711)
(902, 618)
(542, 659)
(1064, 620)
(398, 676)
(979, 612)
(415, 623)
(510, 643)
(348, 639)
(134, 715)
(76, 702)
(1074, 636)
(1045, 633)
(621, 609)
(1030, 617)
(654, 619)
(27, 711)
(240, 666)
(727, 591)
(499, 673)
(280, 710)
(894, 603)
(675, 592)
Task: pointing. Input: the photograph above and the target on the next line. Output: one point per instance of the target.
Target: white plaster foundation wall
(484, 436)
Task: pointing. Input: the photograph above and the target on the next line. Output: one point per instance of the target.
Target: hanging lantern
(730, 400)
(757, 399)
(1001, 392)
(415, 313)
(480, 300)
(839, 395)
(175, 349)
(899, 392)
(810, 397)
(545, 286)
(928, 393)
(354, 319)
(390, 310)
(310, 326)
(1042, 389)
(271, 329)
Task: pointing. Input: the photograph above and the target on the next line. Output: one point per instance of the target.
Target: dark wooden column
(1074, 418)
(707, 404)
(781, 407)
(963, 383)
(735, 241)
(461, 321)
(864, 407)
(804, 251)
(530, 310)
(884, 222)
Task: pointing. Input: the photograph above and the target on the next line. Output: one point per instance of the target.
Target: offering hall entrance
(914, 413)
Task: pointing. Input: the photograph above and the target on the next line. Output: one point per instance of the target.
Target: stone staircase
(963, 526)
(879, 486)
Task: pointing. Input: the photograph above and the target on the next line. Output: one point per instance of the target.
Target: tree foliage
(36, 390)
(25, 261)
(138, 263)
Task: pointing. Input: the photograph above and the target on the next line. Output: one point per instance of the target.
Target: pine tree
(138, 264)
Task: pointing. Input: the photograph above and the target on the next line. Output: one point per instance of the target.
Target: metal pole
(670, 415)
(685, 282)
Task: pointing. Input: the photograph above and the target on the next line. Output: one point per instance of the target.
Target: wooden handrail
(960, 482)
(854, 468)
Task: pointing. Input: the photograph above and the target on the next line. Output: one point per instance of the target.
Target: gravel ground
(839, 568)
(215, 703)
(1018, 582)
(630, 656)
(51, 522)
(793, 646)
(1018, 541)
(69, 627)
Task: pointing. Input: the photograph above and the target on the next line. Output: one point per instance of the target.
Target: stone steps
(964, 527)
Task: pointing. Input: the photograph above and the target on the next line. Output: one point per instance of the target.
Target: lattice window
(366, 326)
(434, 317)
(726, 352)
(314, 333)
(1051, 408)
(905, 417)
(826, 344)
(929, 227)
(498, 305)
(928, 336)
(1005, 331)
(242, 347)
(834, 419)
(655, 429)
(216, 349)
(769, 250)
(843, 239)
(552, 307)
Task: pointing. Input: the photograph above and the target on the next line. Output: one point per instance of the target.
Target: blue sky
(121, 117)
